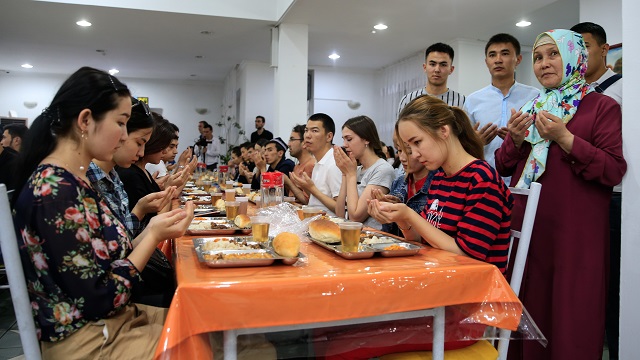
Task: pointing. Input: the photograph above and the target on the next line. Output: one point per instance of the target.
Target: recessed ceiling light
(114, 71)
(334, 56)
(373, 31)
(199, 56)
(206, 32)
(380, 27)
(523, 23)
(83, 23)
(27, 66)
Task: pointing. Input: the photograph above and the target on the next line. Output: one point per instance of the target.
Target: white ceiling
(164, 45)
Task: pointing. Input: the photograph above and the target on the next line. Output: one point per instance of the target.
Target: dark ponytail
(365, 128)
(87, 88)
(466, 134)
(431, 113)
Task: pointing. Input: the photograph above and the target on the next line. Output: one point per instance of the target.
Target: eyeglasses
(142, 108)
(292, 139)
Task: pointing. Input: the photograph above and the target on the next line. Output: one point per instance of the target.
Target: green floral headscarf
(562, 101)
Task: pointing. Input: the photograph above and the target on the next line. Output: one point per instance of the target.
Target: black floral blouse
(74, 252)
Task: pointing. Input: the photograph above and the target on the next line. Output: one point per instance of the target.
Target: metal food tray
(265, 248)
(367, 251)
(198, 199)
(232, 228)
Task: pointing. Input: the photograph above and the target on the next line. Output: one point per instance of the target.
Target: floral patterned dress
(74, 252)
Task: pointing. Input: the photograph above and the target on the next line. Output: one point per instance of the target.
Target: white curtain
(397, 80)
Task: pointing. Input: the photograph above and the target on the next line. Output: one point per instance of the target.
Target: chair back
(17, 283)
(524, 239)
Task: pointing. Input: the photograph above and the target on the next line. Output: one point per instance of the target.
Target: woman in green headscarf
(569, 139)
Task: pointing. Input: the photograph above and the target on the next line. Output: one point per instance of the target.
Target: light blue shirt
(488, 105)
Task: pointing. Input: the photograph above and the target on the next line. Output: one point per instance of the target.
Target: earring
(366, 145)
(83, 137)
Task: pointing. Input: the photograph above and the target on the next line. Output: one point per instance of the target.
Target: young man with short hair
(274, 159)
(324, 184)
(12, 136)
(438, 65)
(305, 165)
(261, 132)
(601, 78)
(490, 108)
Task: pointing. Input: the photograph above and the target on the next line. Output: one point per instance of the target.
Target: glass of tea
(232, 208)
(350, 235)
(310, 211)
(229, 194)
(260, 228)
(215, 197)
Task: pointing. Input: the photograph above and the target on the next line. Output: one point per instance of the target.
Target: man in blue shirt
(490, 107)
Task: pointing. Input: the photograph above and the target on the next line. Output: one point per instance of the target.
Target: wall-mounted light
(352, 104)
(202, 111)
(30, 104)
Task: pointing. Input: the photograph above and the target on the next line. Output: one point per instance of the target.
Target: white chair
(17, 283)
(482, 350)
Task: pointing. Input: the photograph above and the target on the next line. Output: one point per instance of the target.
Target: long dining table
(326, 288)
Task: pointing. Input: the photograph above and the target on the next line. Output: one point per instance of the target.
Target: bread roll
(324, 230)
(220, 204)
(239, 191)
(286, 244)
(242, 221)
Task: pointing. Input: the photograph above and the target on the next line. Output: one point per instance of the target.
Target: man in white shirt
(209, 153)
(605, 81)
(489, 108)
(438, 65)
(326, 178)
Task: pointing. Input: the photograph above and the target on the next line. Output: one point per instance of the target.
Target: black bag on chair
(159, 282)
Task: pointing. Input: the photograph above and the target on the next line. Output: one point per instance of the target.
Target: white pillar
(629, 269)
(470, 73)
(290, 78)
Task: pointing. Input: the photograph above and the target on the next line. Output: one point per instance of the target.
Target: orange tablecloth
(328, 288)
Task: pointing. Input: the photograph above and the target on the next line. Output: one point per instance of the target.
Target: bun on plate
(239, 191)
(220, 204)
(324, 230)
(286, 244)
(242, 221)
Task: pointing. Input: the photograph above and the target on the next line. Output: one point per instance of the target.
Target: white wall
(348, 84)
(256, 84)
(606, 14)
(470, 73)
(177, 99)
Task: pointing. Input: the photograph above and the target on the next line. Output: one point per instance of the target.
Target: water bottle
(271, 188)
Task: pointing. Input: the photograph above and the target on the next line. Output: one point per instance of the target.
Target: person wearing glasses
(305, 165)
(80, 264)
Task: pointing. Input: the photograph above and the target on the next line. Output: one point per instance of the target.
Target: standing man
(208, 149)
(324, 185)
(605, 81)
(306, 162)
(490, 108)
(12, 136)
(438, 65)
(201, 125)
(261, 132)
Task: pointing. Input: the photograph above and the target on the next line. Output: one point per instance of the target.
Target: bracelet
(407, 229)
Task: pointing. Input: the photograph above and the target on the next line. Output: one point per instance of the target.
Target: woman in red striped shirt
(469, 206)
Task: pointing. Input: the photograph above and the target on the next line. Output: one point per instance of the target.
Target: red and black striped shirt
(474, 207)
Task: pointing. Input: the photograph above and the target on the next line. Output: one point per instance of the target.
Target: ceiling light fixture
(27, 66)
(373, 31)
(114, 71)
(334, 56)
(380, 27)
(523, 23)
(83, 23)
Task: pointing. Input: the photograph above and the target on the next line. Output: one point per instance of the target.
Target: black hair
(140, 116)
(594, 29)
(299, 129)
(207, 126)
(261, 142)
(175, 127)
(16, 130)
(503, 38)
(204, 123)
(261, 117)
(161, 136)
(365, 128)
(236, 150)
(246, 145)
(327, 122)
(392, 153)
(439, 47)
(87, 88)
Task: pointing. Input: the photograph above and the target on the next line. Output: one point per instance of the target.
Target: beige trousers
(131, 334)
